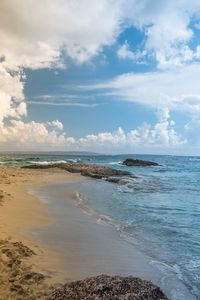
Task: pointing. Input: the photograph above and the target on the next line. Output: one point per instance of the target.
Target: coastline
(19, 211)
(89, 248)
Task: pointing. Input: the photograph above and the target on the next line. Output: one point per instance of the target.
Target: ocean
(158, 212)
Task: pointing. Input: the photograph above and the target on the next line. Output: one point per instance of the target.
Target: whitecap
(46, 163)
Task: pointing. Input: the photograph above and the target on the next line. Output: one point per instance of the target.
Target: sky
(107, 76)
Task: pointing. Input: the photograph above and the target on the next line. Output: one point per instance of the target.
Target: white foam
(46, 163)
(101, 219)
(117, 163)
(194, 159)
(171, 277)
(72, 160)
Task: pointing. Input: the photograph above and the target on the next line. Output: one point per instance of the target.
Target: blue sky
(118, 77)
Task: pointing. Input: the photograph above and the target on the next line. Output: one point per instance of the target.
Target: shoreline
(82, 238)
(23, 214)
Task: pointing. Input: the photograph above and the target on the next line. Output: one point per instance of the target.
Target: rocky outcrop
(105, 287)
(89, 170)
(139, 163)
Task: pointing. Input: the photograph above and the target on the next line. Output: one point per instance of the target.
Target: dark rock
(121, 179)
(113, 179)
(89, 170)
(139, 163)
(105, 287)
(90, 174)
(39, 166)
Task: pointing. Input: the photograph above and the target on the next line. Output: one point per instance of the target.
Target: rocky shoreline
(88, 170)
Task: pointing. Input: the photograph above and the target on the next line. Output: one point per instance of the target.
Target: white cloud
(116, 138)
(169, 44)
(63, 103)
(35, 34)
(177, 89)
(41, 29)
(51, 136)
(11, 95)
(34, 136)
(56, 124)
(167, 28)
(146, 136)
(82, 28)
(124, 52)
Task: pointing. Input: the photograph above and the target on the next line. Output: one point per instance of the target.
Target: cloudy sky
(111, 76)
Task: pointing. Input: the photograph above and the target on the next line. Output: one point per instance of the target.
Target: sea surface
(158, 212)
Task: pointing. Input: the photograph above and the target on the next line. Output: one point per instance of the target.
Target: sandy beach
(49, 238)
(73, 247)
(27, 268)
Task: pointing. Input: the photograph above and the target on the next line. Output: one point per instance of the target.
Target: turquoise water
(159, 212)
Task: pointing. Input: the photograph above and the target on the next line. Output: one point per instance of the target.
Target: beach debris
(104, 287)
(130, 162)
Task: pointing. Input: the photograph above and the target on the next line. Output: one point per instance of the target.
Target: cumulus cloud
(40, 30)
(34, 136)
(50, 135)
(12, 104)
(148, 136)
(168, 30)
(81, 28)
(40, 34)
(35, 34)
(56, 124)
